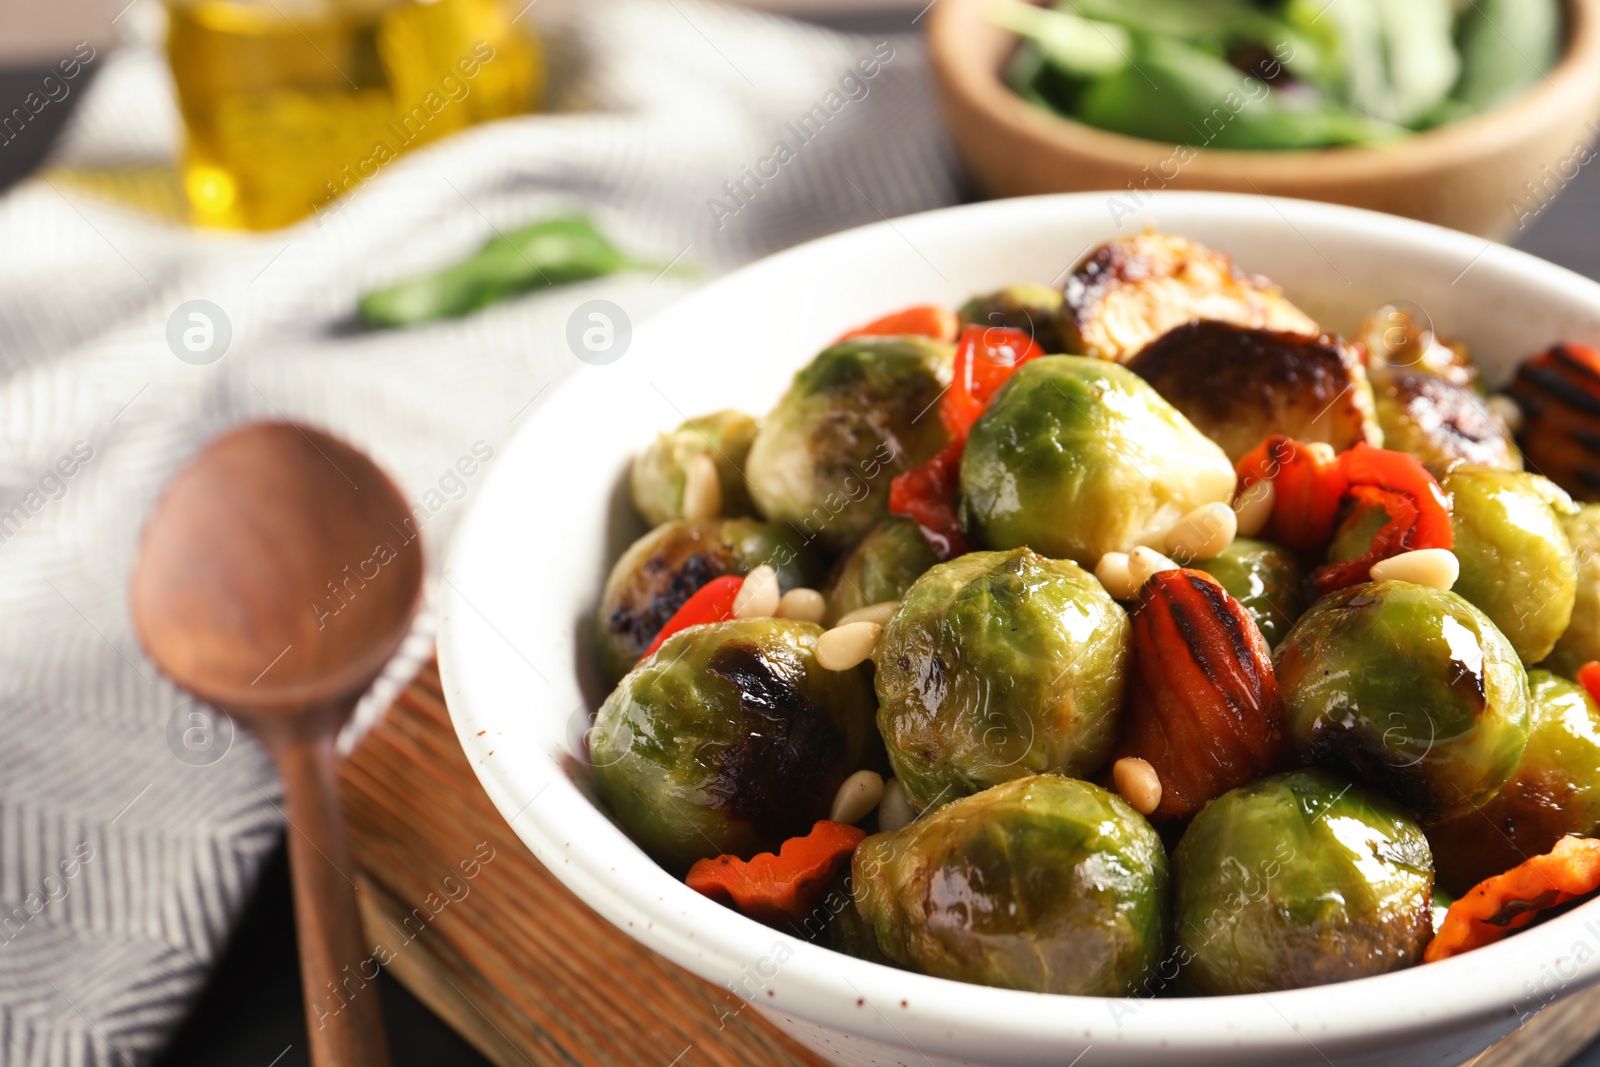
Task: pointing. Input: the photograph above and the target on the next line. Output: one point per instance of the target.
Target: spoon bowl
(277, 575)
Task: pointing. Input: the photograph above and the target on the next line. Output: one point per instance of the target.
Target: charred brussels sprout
(1580, 642)
(730, 739)
(661, 471)
(879, 569)
(1266, 579)
(1036, 310)
(856, 416)
(1516, 562)
(1045, 884)
(663, 568)
(1554, 792)
(1299, 880)
(999, 665)
(1409, 689)
(1079, 457)
(1440, 422)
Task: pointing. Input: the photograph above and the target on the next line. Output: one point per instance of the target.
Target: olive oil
(291, 104)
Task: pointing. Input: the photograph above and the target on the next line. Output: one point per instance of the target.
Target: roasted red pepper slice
(1589, 678)
(924, 320)
(784, 888)
(986, 356)
(1203, 703)
(929, 495)
(1497, 907)
(1308, 486)
(712, 602)
(1419, 513)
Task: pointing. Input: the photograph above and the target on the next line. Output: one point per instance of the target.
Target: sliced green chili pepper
(549, 253)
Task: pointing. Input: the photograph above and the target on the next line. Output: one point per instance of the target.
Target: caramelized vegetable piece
(1132, 290)
(1555, 790)
(1440, 422)
(930, 496)
(1203, 706)
(784, 888)
(923, 320)
(1307, 485)
(1240, 385)
(712, 602)
(1397, 341)
(1500, 906)
(1559, 393)
(1418, 512)
(1267, 579)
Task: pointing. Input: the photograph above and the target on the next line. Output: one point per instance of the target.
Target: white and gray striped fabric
(126, 847)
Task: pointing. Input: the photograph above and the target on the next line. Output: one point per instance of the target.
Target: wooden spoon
(277, 575)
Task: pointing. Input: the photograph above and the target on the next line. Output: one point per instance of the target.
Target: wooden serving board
(459, 911)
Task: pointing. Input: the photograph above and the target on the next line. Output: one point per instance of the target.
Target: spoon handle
(338, 972)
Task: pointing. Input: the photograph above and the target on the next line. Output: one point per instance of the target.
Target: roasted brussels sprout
(663, 568)
(999, 665)
(1036, 310)
(1554, 792)
(1299, 880)
(879, 569)
(1079, 457)
(1441, 423)
(1400, 339)
(856, 416)
(1240, 386)
(661, 471)
(1267, 579)
(730, 739)
(1409, 689)
(1517, 565)
(1580, 642)
(1045, 884)
(1131, 290)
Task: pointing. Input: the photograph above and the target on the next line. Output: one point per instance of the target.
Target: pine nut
(1144, 562)
(1204, 533)
(1112, 570)
(1254, 507)
(1323, 451)
(844, 647)
(702, 491)
(1138, 783)
(758, 596)
(1507, 411)
(806, 605)
(1436, 568)
(894, 810)
(857, 796)
(878, 613)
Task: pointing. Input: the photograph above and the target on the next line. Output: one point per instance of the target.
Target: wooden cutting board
(458, 910)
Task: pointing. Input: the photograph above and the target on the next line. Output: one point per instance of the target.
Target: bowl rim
(1572, 85)
(596, 860)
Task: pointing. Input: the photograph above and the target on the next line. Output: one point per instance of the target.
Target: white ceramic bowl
(527, 564)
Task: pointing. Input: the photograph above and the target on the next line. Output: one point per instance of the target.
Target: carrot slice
(1497, 907)
(782, 888)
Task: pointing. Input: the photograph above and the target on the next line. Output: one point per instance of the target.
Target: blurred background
(257, 158)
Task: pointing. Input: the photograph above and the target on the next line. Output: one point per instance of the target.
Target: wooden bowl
(1469, 175)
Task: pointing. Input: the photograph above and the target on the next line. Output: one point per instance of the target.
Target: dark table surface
(250, 1014)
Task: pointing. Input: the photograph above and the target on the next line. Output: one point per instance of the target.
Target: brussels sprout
(1299, 880)
(660, 471)
(1079, 457)
(1554, 792)
(1267, 579)
(1440, 422)
(1516, 562)
(879, 569)
(1036, 310)
(1240, 386)
(663, 568)
(1046, 884)
(730, 739)
(995, 666)
(1580, 642)
(859, 414)
(1410, 689)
